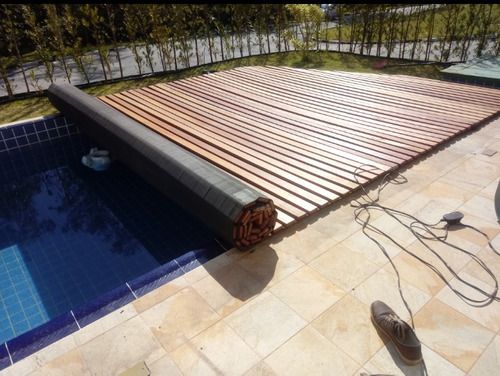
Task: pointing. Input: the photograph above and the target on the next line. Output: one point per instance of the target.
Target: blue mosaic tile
(18, 131)
(40, 126)
(11, 143)
(43, 136)
(7, 133)
(4, 357)
(50, 124)
(60, 121)
(2, 145)
(103, 305)
(29, 128)
(22, 141)
(42, 336)
(155, 278)
(192, 259)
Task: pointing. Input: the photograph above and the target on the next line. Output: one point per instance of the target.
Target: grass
(38, 106)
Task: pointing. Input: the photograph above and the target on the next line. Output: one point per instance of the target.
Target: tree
(485, 23)
(111, 12)
(160, 33)
(13, 33)
(72, 23)
(93, 21)
(132, 26)
(57, 41)
(308, 17)
(37, 33)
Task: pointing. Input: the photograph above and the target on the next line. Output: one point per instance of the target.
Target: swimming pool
(69, 234)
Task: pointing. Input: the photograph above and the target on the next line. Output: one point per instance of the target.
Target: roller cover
(239, 214)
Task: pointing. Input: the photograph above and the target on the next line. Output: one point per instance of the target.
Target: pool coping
(24, 345)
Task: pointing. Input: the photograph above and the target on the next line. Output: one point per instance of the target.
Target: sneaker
(399, 332)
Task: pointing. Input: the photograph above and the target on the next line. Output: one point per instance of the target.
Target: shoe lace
(395, 324)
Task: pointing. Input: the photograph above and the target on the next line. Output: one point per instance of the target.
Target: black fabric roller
(237, 213)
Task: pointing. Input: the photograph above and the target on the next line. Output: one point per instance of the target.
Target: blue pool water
(69, 234)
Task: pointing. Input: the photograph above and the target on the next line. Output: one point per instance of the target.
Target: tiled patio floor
(299, 305)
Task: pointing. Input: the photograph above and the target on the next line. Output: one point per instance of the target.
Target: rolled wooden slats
(240, 215)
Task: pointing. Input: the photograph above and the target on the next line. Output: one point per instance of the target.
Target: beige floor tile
(368, 249)
(472, 174)
(416, 273)
(489, 362)
(179, 318)
(227, 288)
(344, 267)
(213, 265)
(261, 369)
(160, 294)
(459, 234)
(164, 366)
(309, 353)
(481, 207)
(488, 316)
(446, 194)
(347, 324)
(269, 266)
(220, 349)
(307, 292)
(41, 358)
(104, 324)
(388, 361)
(491, 260)
(121, 348)
(490, 190)
(336, 222)
(265, 323)
(383, 286)
(69, 364)
(304, 244)
(451, 334)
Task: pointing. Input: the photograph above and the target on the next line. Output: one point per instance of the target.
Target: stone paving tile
(309, 353)
(179, 318)
(104, 324)
(164, 366)
(388, 361)
(481, 207)
(451, 334)
(265, 323)
(488, 316)
(269, 266)
(490, 259)
(121, 348)
(41, 357)
(333, 266)
(261, 369)
(307, 292)
(228, 288)
(347, 324)
(68, 364)
(383, 286)
(489, 362)
(218, 349)
(160, 294)
(473, 175)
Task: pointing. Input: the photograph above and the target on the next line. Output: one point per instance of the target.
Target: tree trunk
(196, 48)
(7, 85)
(174, 49)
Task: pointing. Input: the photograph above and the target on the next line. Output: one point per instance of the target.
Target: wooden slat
(300, 135)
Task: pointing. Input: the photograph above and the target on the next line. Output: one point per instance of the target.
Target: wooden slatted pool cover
(299, 135)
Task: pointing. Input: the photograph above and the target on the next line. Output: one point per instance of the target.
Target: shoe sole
(406, 360)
